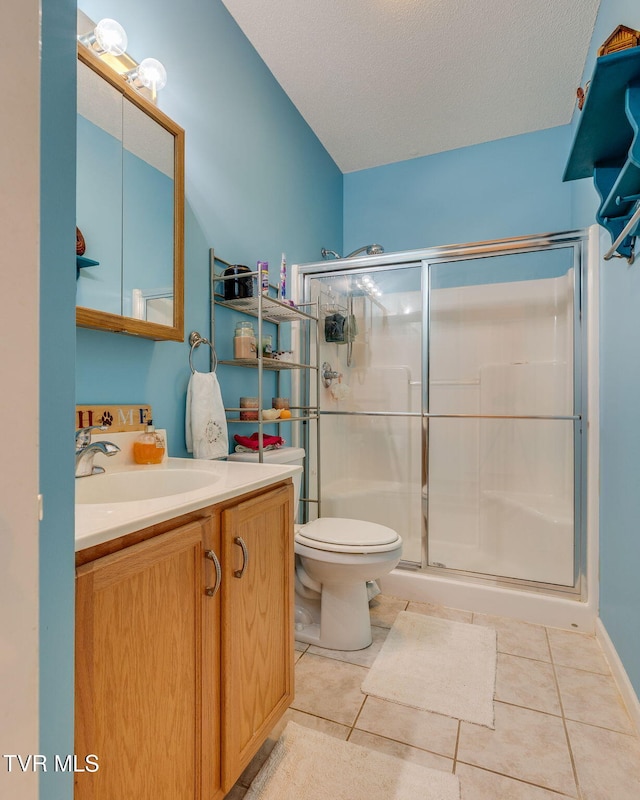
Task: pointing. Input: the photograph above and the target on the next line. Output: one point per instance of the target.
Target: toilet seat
(341, 535)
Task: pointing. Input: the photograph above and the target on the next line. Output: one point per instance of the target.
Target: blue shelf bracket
(82, 262)
(604, 179)
(619, 197)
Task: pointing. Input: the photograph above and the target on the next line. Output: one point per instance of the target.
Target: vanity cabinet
(141, 663)
(257, 624)
(180, 675)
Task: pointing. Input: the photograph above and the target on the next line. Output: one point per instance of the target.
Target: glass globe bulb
(152, 74)
(111, 37)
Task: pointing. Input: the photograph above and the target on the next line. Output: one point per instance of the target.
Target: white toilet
(335, 557)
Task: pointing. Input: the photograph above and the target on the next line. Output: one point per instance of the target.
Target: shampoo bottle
(263, 269)
(149, 447)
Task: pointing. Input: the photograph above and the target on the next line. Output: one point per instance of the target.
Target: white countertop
(96, 523)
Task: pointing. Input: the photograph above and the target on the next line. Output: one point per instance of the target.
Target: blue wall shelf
(607, 145)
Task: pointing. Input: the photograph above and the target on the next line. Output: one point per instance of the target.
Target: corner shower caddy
(265, 309)
(607, 146)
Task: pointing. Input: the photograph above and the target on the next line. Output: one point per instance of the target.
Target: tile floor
(561, 727)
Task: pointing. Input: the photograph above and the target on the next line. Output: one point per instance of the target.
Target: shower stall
(452, 396)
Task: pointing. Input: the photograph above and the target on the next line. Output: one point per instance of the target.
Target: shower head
(371, 250)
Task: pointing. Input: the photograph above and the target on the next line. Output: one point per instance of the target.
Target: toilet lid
(341, 532)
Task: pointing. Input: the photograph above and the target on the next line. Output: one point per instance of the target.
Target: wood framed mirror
(130, 208)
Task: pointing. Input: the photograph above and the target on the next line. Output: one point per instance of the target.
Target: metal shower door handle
(238, 573)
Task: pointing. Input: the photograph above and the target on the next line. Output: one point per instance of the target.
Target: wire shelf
(272, 310)
(273, 364)
(237, 420)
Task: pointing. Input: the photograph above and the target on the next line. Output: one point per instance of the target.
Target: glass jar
(244, 341)
(244, 329)
(246, 403)
(267, 346)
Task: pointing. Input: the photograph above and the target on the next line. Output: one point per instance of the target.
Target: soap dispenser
(149, 447)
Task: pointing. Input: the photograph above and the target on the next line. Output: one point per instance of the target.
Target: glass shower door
(502, 411)
(370, 334)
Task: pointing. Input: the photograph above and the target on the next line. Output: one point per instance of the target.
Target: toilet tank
(282, 455)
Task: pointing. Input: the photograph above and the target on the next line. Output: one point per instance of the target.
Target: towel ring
(195, 340)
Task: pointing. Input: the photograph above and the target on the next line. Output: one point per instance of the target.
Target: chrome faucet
(86, 451)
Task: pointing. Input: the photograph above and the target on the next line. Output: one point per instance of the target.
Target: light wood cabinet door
(141, 667)
(257, 624)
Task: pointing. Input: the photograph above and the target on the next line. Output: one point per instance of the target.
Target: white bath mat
(308, 765)
(437, 665)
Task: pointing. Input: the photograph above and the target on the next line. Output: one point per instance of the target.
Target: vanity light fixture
(107, 37)
(149, 74)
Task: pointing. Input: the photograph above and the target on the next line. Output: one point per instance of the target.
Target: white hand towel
(205, 423)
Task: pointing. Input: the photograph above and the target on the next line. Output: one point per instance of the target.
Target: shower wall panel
(501, 491)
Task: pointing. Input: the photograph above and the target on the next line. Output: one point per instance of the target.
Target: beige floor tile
(364, 658)
(422, 729)
(478, 784)
(592, 698)
(607, 763)
(578, 650)
(517, 638)
(402, 751)
(527, 745)
(433, 610)
(315, 723)
(328, 688)
(525, 758)
(528, 683)
(300, 647)
(300, 718)
(383, 610)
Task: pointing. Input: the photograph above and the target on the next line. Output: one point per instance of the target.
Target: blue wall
(509, 187)
(57, 341)
(619, 403)
(258, 183)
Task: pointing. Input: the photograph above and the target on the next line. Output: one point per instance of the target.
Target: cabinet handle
(238, 573)
(210, 591)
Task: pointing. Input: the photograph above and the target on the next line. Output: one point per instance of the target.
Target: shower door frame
(578, 240)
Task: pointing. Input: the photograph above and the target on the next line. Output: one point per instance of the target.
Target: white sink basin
(128, 487)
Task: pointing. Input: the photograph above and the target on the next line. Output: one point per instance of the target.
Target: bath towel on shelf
(205, 423)
(249, 444)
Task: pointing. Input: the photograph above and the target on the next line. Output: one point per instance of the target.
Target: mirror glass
(130, 208)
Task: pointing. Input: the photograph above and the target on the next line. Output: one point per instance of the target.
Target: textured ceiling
(381, 81)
